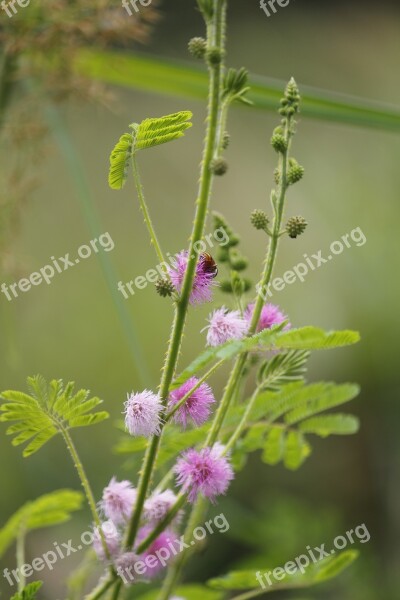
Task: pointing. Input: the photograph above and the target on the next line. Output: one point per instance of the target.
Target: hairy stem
(215, 39)
(86, 486)
(240, 363)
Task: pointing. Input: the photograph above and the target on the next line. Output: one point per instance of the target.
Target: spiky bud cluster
(278, 141)
(291, 99)
(295, 171)
(219, 166)
(227, 288)
(197, 47)
(296, 226)
(225, 140)
(164, 287)
(233, 239)
(259, 219)
(238, 261)
(214, 56)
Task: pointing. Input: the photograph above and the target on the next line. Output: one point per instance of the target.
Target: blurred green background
(70, 329)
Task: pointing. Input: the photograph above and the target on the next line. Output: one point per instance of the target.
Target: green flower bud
(225, 140)
(223, 255)
(278, 143)
(238, 262)
(164, 287)
(295, 171)
(219, 166)
(296, 226)
(197, 47)
(247, 284)
(259, 219)
(277, 176)
(226, 286)
(214, 56)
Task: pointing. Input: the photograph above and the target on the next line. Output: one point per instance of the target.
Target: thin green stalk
(145, 211)
(86, 485)
(239, 366)
(262, 591)
(215, 33)
(101, 589)
(21, 557)
(175, 570)
(183, 303)
(163, 524)
(243, 421)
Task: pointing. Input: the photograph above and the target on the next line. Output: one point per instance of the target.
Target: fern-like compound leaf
(148, 133)
(50, 409)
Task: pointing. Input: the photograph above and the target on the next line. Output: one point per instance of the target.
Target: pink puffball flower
(203, 282)
(157, 506)
(225, 325)
(205, 472)
(157, 562)
(125, 565)
(118, 500)
(112, 539)
(270, 315)
(197, 406)
(142, 413)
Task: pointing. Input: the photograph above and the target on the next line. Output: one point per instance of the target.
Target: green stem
(162, 524)
(100, 590)
(215, 33)
(86, 486)
(230, 445)
(146, 214)
(240, 363)
(175, 570)
(21, 557)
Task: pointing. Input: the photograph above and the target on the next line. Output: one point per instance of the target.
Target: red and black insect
(209, 264)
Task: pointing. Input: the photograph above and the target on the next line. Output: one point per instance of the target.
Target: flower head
(112, 539)
(197, 406)
(270, 315)
(163, 541)
(225, 325)
(118, 500)
(124, 565)
(203, 279)
(157, 506)
(205, 471)
(142, 413)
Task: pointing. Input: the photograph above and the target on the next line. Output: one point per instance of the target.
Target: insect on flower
(209, 264)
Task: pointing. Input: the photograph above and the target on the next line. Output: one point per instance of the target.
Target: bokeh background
(71, 329)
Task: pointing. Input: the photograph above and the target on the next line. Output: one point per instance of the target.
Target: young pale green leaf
(336, 424)
(333, 566)
(317, 398)
(29, 592)
(51, 409)
(282, 369)
(274, 445)
(296, 450)
(120, 159)
(235, 580)
(156, 131)
(50, 509)
(313, 338)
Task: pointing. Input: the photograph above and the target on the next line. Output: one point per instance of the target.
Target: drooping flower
(197, 406)
(165, 540)
(225, 325)
(270, 315)
(118, 500)
(203, 280)
(112, 539)
(205, 472)
(142, 413)
(157, 506)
